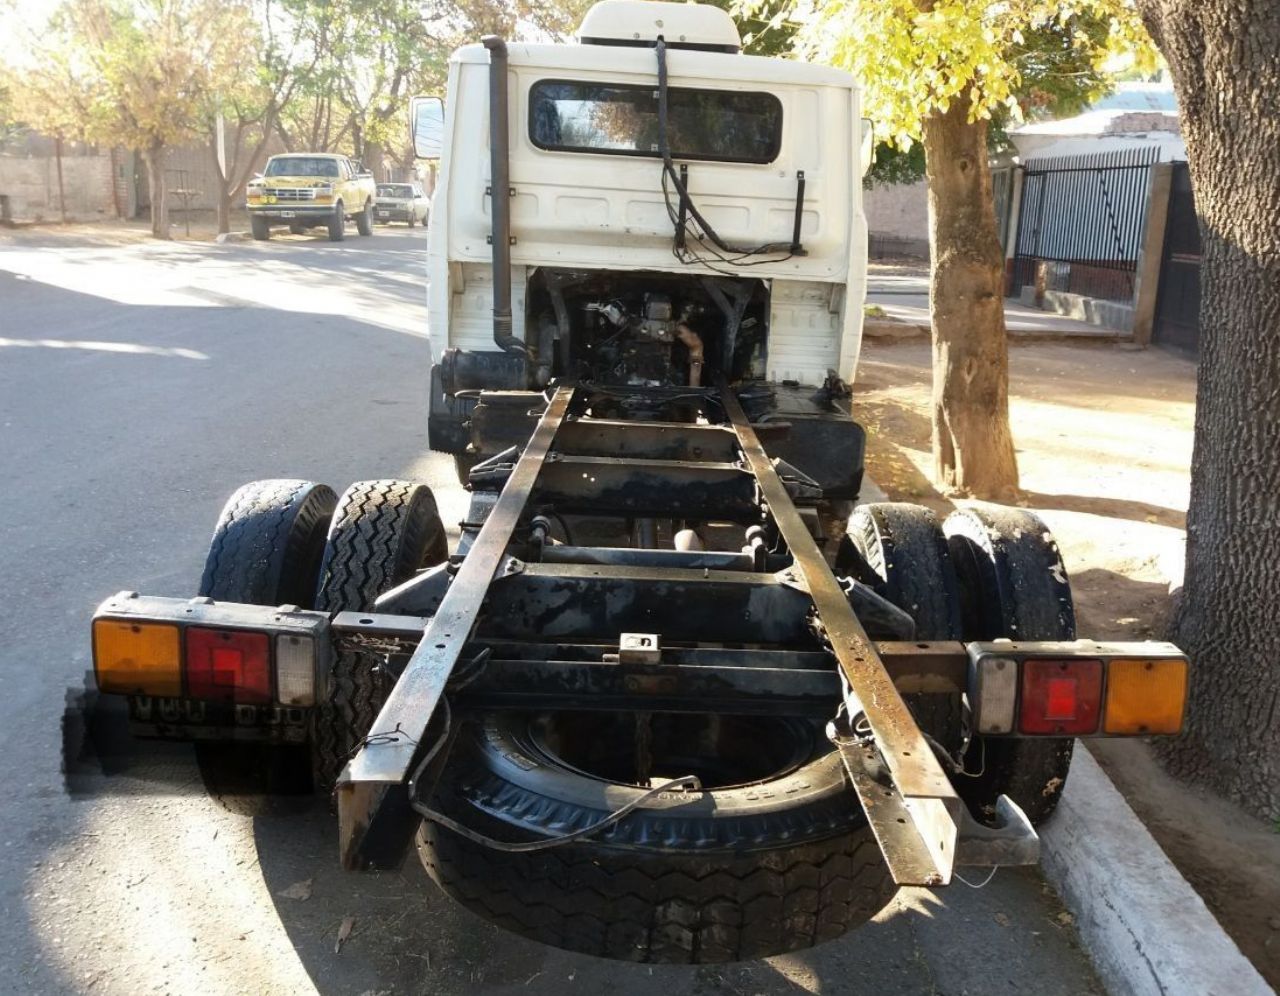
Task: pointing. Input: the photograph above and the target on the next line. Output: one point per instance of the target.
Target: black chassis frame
(811, 428)
(519, 621)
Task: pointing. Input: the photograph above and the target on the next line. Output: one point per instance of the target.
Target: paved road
(139, 385)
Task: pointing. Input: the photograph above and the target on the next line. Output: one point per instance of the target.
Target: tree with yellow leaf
(936, 71)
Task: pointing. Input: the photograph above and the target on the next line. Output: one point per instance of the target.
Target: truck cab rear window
(622, 119)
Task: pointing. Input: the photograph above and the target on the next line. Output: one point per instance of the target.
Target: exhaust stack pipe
(500, 197)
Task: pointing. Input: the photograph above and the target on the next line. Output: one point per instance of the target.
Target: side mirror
(426, 126)
(868, 151)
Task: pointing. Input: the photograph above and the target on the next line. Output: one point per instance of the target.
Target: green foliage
(893, 165)
(354, 64)
(130, 72)
(764, 27)
(914, 57)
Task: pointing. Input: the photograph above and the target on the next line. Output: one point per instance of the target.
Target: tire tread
(381, 532)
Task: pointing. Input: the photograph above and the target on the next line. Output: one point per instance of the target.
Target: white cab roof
(637, 60)
(630, 21)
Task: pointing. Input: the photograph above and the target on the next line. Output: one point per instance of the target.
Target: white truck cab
(609, 272)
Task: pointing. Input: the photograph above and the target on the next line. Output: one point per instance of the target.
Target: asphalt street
(141, 383)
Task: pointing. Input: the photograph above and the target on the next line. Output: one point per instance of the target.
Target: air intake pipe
(500, 197)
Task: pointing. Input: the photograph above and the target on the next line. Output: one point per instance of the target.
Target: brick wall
(897, 218)
(32, 185)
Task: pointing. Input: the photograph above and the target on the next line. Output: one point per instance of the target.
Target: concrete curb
(225, 237)
(891, 328)
(1146, 929)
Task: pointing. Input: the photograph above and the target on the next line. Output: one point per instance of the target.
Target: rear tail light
(228, 664)
(137, 658)
(295, 670)
(206, 650)
(1061, 697)
(995, 683)
(1146, 696)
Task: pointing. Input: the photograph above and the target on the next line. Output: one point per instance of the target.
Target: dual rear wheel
(773, 855)
(294, 542)
(982, 574)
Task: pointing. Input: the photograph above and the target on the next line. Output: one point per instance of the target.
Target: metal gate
(1001, 198)
(1177, 321)
(1082, 217)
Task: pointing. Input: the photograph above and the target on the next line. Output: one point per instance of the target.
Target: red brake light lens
(1062, 697)
(228, 664)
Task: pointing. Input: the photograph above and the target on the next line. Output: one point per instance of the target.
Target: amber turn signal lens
(134, 658)
(1146, 696)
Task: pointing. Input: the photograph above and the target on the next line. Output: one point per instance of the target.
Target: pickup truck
(304, 190)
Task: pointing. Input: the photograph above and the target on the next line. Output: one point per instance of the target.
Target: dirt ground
(202, 227)
(1104, 438)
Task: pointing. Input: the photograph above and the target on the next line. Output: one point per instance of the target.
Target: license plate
(189, 712)
(384, 214)
(288, 214)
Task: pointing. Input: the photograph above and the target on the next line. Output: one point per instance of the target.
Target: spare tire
(774, 858)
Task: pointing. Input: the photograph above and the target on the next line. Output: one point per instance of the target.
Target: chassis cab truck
(664, 697)
(608, 275)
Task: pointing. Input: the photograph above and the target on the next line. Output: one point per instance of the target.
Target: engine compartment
(646, 329)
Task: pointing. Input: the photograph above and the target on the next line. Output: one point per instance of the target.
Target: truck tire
(904, 546)
(267, 544)
(412, 220)
(338, 223)
(260, 227)
(381, 533)
(265, 550)
(364, 220)
(1012, 584)
(754, 869)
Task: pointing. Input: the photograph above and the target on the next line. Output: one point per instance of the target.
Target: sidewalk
(901, 292)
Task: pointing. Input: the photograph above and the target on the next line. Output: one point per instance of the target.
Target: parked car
(309, 189)
(406, 202)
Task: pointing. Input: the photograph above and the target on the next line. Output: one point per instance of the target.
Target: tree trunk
(223, 194)
(1225, 59)
(116, 171)
(224, 209)
(374, 160)
(972, 445)
(62, 190)
(157, 156)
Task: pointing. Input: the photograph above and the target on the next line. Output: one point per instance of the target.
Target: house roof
(1131, 108)
(1135, 114)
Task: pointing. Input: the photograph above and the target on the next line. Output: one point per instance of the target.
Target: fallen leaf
(344, 932)
(299, 890)
(1001, 919)
(1065, 919)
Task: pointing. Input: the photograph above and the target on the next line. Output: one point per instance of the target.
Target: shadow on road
(124, 875)
(403, 935)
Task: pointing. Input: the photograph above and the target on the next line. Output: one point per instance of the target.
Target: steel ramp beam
(374, 782)
(919, 846)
